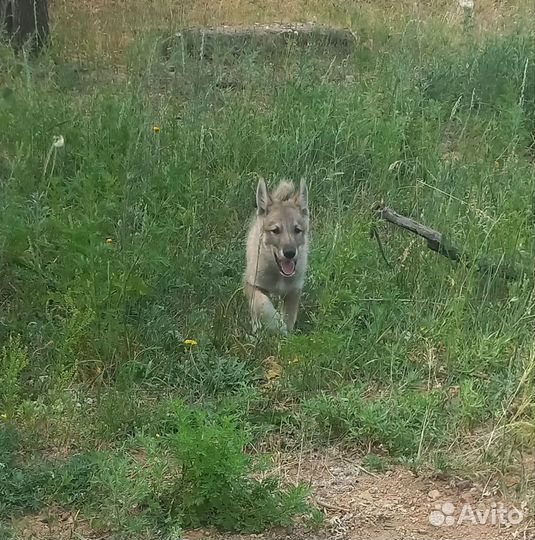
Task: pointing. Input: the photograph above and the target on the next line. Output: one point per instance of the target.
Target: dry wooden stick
(330, 506)
(375, 233)
(435, 241)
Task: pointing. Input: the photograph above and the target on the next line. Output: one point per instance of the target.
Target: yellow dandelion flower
(3, 416)
(190, 342)
(156, 129)
(109, 241)
(157, 435)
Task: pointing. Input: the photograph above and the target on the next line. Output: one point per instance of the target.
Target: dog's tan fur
(280, 227)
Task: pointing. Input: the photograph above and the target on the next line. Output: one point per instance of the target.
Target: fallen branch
(436, 242)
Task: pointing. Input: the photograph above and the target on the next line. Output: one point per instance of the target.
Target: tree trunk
(25, 22)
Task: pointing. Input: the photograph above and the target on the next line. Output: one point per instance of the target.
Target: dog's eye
(275, 230)
(298, 230)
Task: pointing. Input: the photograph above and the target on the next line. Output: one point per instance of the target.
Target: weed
(374, 462)
(216, 486)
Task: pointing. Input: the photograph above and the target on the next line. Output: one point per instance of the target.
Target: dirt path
(357, 504)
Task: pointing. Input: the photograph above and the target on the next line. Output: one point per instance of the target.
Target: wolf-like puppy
(277, 254)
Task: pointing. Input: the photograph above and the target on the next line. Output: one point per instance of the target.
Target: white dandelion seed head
(59, 141)
(467, 4)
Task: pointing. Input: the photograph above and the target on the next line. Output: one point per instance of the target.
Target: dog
(277, 255)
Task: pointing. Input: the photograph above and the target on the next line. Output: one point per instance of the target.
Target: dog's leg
(263, 312)
(291, 306)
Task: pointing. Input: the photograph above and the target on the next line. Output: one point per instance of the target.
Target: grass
(126, 241)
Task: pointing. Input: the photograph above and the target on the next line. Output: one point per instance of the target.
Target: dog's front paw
(278, 326)
(273, 325)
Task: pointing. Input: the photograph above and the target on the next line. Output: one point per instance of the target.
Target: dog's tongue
(288, 267)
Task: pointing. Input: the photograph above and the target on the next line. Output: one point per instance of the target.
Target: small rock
(468, 498)
(464, 484)
(434, 494)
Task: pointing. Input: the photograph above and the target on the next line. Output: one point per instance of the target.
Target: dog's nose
(289, 253)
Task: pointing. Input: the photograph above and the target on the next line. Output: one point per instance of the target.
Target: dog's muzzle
(286, 265)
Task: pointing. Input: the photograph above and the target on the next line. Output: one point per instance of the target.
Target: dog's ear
(263, 200)
(302, 198)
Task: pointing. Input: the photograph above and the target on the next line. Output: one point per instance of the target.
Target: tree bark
(25, 22)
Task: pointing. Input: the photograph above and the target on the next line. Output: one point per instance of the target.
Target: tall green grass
(126, 241)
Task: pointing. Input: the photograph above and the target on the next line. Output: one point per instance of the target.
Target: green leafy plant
(219, 483)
